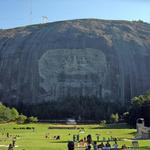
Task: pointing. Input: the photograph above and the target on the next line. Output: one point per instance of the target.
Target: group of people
(101, 146)
(96, 146)
(107, 146)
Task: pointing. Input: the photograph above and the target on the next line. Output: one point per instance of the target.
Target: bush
(114, 118)
(140, 108)
(103, 122)
(32, 119)
(7, 114)
(21, 119)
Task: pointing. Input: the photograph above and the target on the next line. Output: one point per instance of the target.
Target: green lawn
(35, 140)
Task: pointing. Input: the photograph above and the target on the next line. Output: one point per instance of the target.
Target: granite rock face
(109, 60)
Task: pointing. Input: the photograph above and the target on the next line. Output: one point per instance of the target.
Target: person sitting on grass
(70, 145)
(95, 145)
(88, 147)
(101, 146)
(108, 147)
(124, 147)
(115, 146)
(81, 143)
(89, 139)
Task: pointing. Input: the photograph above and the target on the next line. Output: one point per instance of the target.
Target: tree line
(84, 108)
(8, 114)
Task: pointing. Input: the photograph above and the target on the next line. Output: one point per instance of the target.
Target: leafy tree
(32, 119)
(103, 122)
(7, 114)
(114, 118)
(11, 114)
(14, 114)
(21, 119)
(140, 108)
(2, 110)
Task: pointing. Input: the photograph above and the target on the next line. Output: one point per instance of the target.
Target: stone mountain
(109, 60)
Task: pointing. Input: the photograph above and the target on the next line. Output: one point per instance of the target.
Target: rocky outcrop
(109, 60)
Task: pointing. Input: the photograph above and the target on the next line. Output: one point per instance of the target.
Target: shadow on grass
(113, 126)
(144, 148)
(133, 133)
(109, 128)
(58, 141)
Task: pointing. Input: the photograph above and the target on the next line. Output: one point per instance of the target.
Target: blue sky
(14, 13)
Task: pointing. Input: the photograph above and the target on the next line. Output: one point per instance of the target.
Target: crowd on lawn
(90, 145)
(86, 142)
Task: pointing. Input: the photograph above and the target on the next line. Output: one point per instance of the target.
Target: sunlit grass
(35, 139)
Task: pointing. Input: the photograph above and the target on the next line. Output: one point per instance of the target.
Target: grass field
(29, 139)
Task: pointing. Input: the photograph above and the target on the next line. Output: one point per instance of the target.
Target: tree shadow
(59, 141)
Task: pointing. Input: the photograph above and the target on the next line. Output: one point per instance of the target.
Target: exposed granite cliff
(89, 57)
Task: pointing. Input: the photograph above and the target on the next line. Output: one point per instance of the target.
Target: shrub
(21, 119)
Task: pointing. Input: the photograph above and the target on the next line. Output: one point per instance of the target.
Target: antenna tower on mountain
(44, 19)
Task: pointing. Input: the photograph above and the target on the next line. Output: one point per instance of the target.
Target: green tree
(140, 108)
(21, 119)
(7, 114)
(33, 119)
(14, 114)
(114, 118)
(2, 109)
